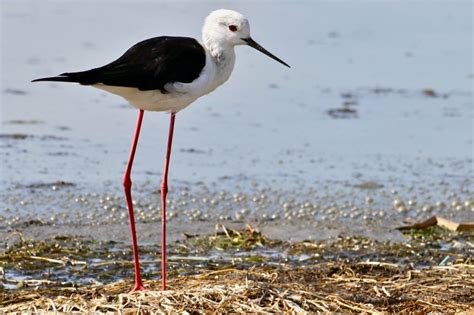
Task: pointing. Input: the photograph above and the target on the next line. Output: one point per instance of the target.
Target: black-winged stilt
(167, 74)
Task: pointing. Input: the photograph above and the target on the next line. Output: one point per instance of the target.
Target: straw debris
(345, 275)
(369, 287)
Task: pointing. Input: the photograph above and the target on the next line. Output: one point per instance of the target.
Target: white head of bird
(224, 29)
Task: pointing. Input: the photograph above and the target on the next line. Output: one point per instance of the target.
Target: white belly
(180, 94)
(152, 100)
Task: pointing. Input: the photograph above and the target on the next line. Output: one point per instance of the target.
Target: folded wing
(148, 65)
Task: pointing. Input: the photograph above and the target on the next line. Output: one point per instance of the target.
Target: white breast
(215, 73)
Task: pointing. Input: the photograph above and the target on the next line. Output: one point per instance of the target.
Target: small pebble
(398, 203)
(427, 208)
(440, 205)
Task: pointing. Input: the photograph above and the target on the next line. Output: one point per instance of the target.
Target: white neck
(223, 60)
(220, 51)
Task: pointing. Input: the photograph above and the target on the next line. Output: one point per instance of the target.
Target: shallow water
(376, 108)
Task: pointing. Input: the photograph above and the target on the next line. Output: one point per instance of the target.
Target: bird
(166, 74)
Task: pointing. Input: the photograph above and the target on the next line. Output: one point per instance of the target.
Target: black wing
(148, 65)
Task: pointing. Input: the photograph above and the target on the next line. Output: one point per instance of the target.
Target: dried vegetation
(358, 284)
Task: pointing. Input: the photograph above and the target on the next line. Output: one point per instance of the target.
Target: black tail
(76, 77)
(61, 78)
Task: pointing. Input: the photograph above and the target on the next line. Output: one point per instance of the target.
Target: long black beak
(255, 45)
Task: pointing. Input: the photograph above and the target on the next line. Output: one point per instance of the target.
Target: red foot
(138, 287)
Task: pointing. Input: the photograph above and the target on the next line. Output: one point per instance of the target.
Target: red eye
(232, 28)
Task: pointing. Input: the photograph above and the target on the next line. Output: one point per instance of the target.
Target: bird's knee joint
(164, 188)
(127, 182)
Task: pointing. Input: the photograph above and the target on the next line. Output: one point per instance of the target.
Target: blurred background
(376, 108)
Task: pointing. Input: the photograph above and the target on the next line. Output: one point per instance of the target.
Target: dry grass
(364, 287)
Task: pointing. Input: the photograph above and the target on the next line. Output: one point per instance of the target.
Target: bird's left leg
(127, 185)
(164, 191)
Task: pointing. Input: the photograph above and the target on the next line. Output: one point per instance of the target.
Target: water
(398, 73)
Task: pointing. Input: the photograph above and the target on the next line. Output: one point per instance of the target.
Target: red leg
(127, 184)
(164, 191)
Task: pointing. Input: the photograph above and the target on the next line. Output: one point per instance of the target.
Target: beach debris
(14, 136)
(442, 222)
(368, 185)
(429, 92)
(369, 287)
(240, 271)
(25, 122)
(344, 112)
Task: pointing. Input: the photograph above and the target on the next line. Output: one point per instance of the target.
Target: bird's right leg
(127, 185)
